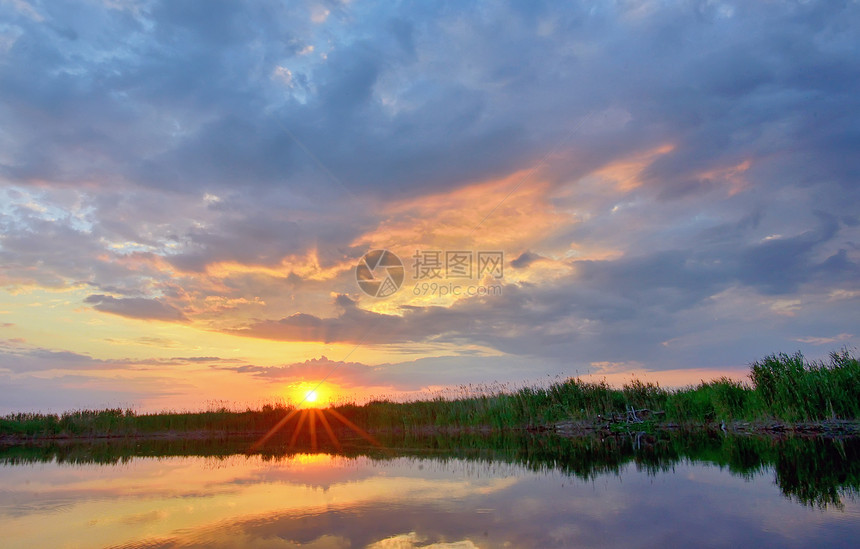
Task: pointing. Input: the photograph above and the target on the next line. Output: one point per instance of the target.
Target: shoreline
(824, 428)
(575, 428)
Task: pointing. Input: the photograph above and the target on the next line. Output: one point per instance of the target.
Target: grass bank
(118, 422)
(782, 387)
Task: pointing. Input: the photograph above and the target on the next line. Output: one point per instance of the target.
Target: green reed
(119, 422)
(782, 387)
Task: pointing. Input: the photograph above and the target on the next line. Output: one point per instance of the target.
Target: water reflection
(465, 491)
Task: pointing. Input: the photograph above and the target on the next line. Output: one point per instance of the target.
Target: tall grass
(803, 390)
(119, 422)
(783, 387)
(722, 399)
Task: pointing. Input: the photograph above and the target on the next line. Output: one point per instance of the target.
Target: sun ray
(278, 426)
(312, 426)
(298, 428)
(329, 430)
(309, 415)
(354, 427)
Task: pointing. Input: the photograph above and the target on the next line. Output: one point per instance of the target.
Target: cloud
(441, 121)
(778, 265)
(341, 372)
(136, 307)
(36, 378)
(525, 259)
(20, 356)
(431, 373)
(825, 340)
(16, 355)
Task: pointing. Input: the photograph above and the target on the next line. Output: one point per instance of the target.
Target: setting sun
(309, 394)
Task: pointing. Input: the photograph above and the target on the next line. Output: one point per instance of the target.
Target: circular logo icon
(379, 273)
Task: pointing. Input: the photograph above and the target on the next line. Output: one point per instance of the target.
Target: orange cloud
(504, 213)
(627, 171)
(306, 266)
(732, 175)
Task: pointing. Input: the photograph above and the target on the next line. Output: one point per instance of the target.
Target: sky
(602, 189)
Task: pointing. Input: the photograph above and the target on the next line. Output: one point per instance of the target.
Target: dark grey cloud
(339, 371)
(181, 100)
(779, 265)
(69, 392)
(525, 259)
(160, 102)
(627, 309)
(136, 307)
(352, 325)
(412, 375)
(517, 322)
(18, 356)
(30, 240)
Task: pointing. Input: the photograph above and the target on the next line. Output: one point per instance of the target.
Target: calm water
(536, 492)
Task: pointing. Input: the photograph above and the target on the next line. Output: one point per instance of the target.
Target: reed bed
(781, 387)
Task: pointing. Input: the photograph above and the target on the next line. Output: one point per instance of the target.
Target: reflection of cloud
(406, 502)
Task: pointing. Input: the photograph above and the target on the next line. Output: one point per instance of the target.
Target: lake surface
(435, 492)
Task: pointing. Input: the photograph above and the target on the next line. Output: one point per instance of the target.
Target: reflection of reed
(811, 471)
